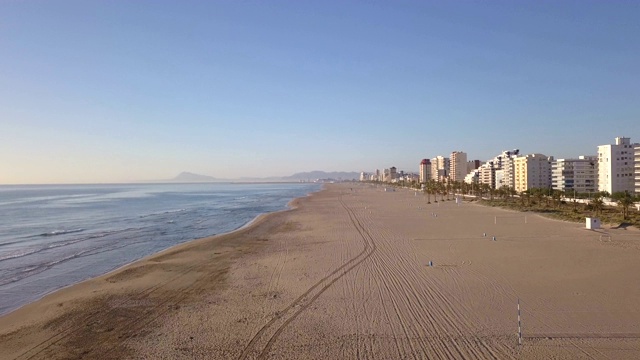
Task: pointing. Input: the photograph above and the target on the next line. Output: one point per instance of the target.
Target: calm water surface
(54, 236)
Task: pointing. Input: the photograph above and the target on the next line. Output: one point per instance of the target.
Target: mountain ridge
(187, 176)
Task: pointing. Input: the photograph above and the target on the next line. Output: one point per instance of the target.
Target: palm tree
(455, 186)
(429, 188)
(448, 189)
(624, 200)
(464, 188)
(597, 204)
(575, 202)
(538, 194)
(484, 188)
(525, 195)
(557, 196)
(476, 189)
(549, 196)
(442, 188)
(492, 192)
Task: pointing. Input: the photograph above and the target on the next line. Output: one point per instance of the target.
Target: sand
(346, 275)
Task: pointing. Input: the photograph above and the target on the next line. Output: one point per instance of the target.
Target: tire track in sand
(425, 311)
(284, 317)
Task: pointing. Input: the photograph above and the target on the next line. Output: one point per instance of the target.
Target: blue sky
(116, 91)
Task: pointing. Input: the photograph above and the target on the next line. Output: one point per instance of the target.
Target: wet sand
(346, 275)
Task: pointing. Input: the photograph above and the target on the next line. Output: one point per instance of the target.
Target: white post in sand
(525, 219)
(495, 219)
(519, 325)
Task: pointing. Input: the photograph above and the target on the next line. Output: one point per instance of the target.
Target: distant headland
(310, 176)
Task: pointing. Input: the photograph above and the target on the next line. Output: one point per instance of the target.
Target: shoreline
(291, 204)
(347, 273)
(50, 309)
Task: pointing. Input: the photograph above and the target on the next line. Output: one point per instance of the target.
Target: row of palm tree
(442, 191)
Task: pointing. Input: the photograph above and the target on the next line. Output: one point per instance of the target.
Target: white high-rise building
(425, 171)
(440, 168)
(579, 175)
(472, 177)
(503, 162)
(508, 169)
(616, 166)
(458, 166)
(487, 174)
(637, 168)
(532, 171)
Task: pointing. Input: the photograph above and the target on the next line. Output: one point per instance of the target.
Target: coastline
(344, 273)
(49, 308)
(287, 207)
(291, 205)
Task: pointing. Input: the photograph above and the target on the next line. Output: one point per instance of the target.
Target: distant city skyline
(98, 92)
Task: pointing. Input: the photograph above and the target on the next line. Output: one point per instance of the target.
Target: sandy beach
(346, 275)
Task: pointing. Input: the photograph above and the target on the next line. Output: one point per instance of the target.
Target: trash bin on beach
(593, 223)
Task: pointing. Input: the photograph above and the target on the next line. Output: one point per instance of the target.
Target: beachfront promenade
(347, 275)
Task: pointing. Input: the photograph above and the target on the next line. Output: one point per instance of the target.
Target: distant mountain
(303, 176)
(314, 175)
(191, 177)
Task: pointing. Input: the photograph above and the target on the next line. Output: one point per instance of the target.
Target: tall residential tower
(579, 175)
(616, 166)
(532, 171)
(637, 168)
(458, 166)
(425, 171)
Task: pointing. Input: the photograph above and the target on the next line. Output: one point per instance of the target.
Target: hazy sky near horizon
(116, 91)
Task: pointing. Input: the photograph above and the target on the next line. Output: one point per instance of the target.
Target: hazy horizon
(116, 92)
(175, 179)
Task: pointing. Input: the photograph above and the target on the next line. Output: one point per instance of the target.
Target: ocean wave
(34, 269)
(31, 270)
(10, 243)
(34, 250)
(26, 251)
(61, 232)
(162, 213)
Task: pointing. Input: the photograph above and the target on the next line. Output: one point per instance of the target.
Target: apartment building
(393, 173)
(498, 172)
(425, 170)
(579, 175)
(532, 171)
(487, 174)
(508, 171)
(458, 166)
(616, 166)
(473, 177)
(637, 168)
(472, 165)
(440, 168)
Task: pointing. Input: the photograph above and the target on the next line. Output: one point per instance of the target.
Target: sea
(52, 236)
